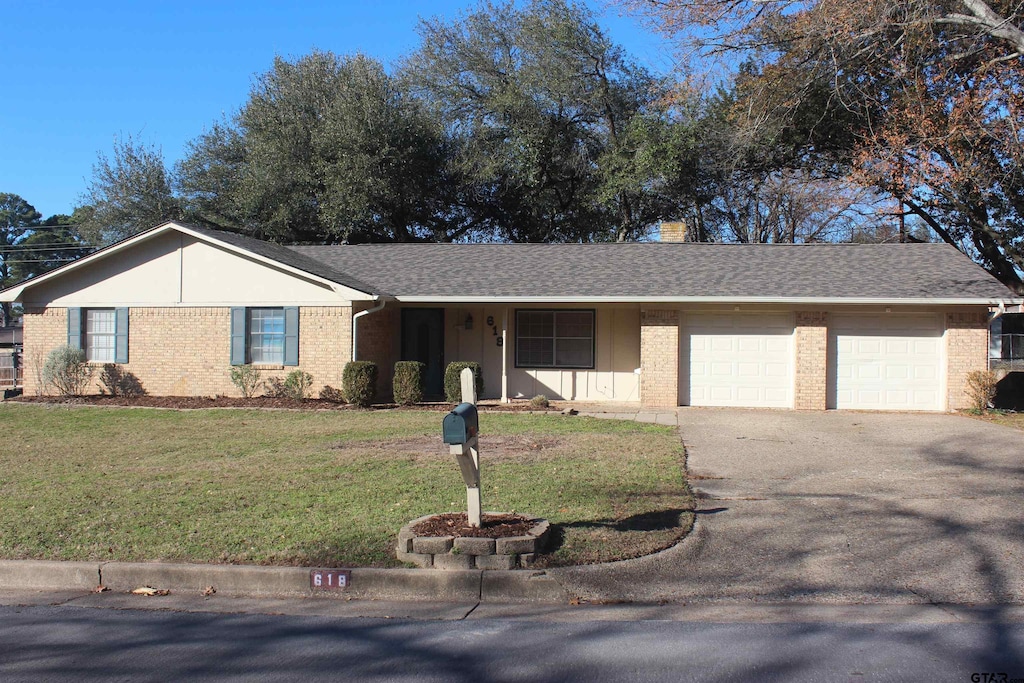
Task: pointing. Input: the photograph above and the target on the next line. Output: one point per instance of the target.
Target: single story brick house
(812, 326)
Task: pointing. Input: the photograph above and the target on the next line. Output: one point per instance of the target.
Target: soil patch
(492, 526)
(517, 448)
(204, 402)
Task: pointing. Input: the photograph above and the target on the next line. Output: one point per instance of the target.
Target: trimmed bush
(539, 401)
(408, 383)
(981, 389)
(67, 371)
(247, 379)
(453, 385)
(117, 381)
(359, 382)
(329, 393)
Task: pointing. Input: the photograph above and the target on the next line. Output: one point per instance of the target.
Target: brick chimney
(673, 231)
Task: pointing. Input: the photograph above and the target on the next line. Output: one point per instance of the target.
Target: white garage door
(741, 360)
(887, 362)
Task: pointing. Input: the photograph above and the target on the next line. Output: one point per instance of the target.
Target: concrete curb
(515, 586)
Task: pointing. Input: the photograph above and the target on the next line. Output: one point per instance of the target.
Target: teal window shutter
(291, 335)
(75, 328)
(121, 335)
(237, 335)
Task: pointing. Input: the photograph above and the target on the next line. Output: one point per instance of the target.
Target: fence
(12, 372)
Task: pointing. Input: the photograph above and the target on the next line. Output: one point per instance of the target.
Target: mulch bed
(456, 524)
(201, 402)
(189, 402)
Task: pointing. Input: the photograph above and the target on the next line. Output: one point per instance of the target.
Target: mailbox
(461, 424)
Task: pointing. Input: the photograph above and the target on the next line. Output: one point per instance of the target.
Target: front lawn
(318, 488)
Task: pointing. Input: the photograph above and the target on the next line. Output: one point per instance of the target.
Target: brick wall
(966, 350)
(378, 336)
(811, 360)
(44, 329)
(187, 351)
(659, 358)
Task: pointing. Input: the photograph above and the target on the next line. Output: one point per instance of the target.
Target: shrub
(329, 393)
(273, 387)
(359, 382)
(408, 383)
(295, 386)
(117, 381)
(540, 401)
(453, 385)
(981, 389)
(67, 371)
(246, 378)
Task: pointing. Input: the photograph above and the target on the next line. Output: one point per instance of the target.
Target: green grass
(318, 488)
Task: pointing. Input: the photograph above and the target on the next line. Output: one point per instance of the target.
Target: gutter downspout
(355, 325)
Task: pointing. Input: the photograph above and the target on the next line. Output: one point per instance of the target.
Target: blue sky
(77, 74)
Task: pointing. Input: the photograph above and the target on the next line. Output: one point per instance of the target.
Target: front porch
(570, 352)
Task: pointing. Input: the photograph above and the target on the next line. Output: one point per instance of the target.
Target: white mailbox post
(461, 434)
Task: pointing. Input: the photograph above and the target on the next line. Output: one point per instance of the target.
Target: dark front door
(423, 340)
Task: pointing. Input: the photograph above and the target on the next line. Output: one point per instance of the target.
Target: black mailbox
(461, 424)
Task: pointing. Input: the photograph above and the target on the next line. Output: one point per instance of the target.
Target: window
(101, 332)
(265, 336)
(555, 339)
(100, 335)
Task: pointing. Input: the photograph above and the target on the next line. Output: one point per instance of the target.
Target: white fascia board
(14, 293)
(710, 300)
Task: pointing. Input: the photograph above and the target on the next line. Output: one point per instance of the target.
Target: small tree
(67, 371)
(408, 383)
(453, 382)
(359, 383)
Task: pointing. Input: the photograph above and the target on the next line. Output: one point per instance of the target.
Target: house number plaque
(329, 579)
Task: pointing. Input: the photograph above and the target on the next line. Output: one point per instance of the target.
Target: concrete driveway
(839, 507)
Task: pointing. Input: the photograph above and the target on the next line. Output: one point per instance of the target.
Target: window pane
(266, 336)
(536, 352)
(100, 326)
(574, 324)
(577, 353)
(536, 324)
(555, 339)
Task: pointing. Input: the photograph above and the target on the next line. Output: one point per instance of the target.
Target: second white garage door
(886, 362)
(738, 360)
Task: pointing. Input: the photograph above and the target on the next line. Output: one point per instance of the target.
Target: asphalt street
(65, 643)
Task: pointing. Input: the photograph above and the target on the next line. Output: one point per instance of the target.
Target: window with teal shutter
(265, 336)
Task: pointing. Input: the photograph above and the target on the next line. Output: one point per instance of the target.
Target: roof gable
(115, 264)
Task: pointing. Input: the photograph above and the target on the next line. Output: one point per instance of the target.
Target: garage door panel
(739, 360)
(887, 362)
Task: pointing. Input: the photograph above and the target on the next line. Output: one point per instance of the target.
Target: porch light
(469, 322)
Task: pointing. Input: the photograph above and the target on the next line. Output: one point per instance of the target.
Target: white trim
(341, 303)
(14, 293)
(834, 300)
